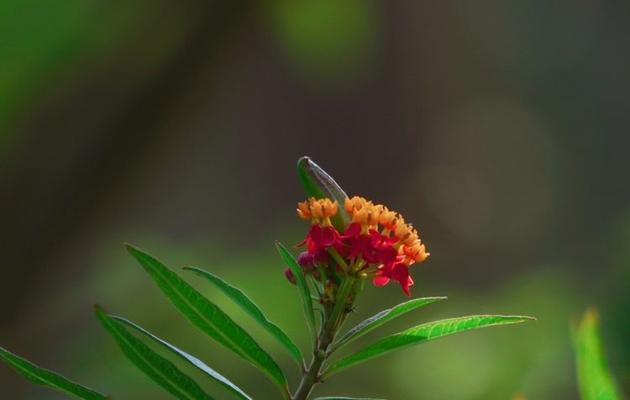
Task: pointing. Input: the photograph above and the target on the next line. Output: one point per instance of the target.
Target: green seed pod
(317, 183)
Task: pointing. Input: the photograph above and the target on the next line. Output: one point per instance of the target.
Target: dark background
(498, 128)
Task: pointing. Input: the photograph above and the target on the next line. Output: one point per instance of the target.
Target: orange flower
(317, 210)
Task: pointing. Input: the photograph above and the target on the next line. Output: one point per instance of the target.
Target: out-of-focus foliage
(44, 41)
(328, 38)
(594, 376)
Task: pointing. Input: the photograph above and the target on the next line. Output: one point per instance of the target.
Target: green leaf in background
(317, 183)
(156, 367)
(420, 334)
(594, 378)
(254, 311)
(331, 43)
(194, 361)
(209, 318)
(381, 318)
(305, 292)
(44, 377)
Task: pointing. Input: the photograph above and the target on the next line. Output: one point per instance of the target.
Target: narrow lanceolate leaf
(300, 281)
(594, 378)
(156, 367)
(192, 360)
(420, 334)
(317, 183)
(254, 311)
(382, 317)
(47, 378)
(209, 318)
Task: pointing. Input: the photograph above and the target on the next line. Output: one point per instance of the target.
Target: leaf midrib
(218, 331)
(373, 322)
(226, 383)
(254, 311)
(46, 381)
(354, 359)
(130, 346)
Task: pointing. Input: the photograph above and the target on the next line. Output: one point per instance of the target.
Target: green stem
(337, 257)
(321, 353)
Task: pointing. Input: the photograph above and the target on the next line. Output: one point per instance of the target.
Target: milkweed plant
(350, 242)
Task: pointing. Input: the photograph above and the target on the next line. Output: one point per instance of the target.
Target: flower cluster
(378, 243)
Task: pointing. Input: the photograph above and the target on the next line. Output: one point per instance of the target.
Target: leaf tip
(99, 311)
(130, 248)
(134, 251)
(519, 319)
(303, 160)
(591, 316)
(279, 246)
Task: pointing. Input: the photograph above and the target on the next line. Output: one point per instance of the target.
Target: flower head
(387, 228)
(378, 242)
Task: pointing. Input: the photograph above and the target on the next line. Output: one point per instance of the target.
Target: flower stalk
(330, 327)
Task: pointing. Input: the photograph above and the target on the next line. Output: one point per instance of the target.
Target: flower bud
(360, 217)
(317, 183)
(289, 275)
(387, 218)
(303, 210)
(306, 260)
(317, 210)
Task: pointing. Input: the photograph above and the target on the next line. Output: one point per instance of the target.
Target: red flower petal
(380, 280)
(400, 273)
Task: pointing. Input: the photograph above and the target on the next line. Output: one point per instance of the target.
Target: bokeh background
(499, 128)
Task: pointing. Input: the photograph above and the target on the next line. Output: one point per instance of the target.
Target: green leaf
(300, 280)
(192, 360)
(317, 183)
(254, 311)
(381, 318)
(209, 318)
(47, 378)
(594, 378)
(420, 334)
(156, 367)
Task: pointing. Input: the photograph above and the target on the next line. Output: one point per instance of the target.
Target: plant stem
(338, 259)
(311, 377)
(327, 334)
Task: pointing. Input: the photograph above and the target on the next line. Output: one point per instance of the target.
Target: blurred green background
(498, 128)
